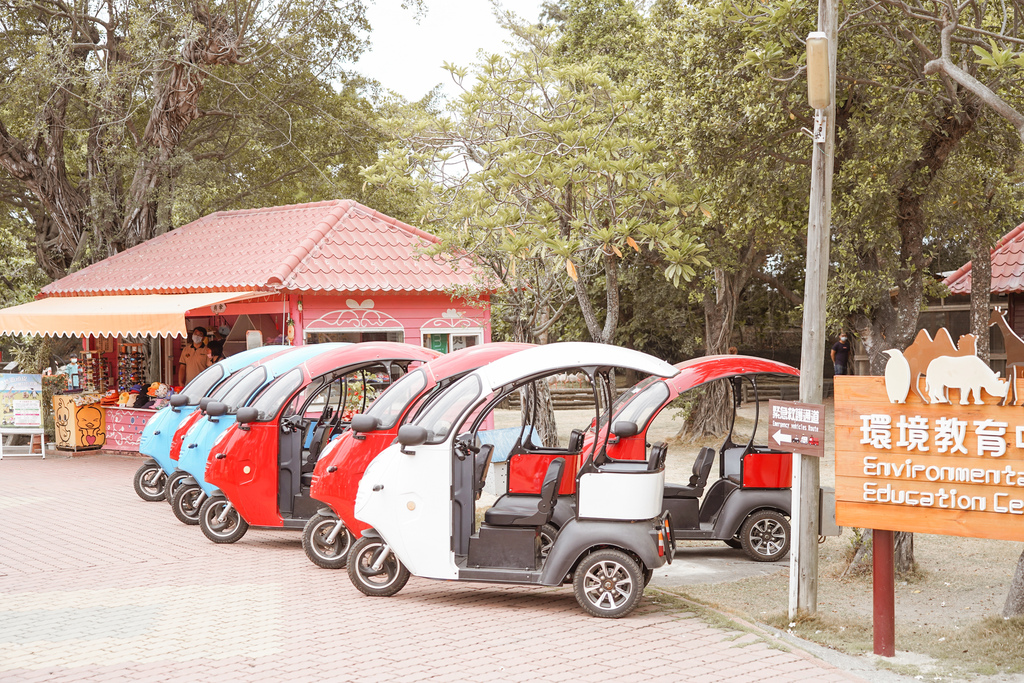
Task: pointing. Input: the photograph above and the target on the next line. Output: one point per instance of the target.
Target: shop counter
(124, 427)
(79, 422)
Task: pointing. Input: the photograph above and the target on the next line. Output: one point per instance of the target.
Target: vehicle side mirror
(363, 423)
(246, 415)
(204, 402)
(216, 408)
(412, 435)
(179, 400)
(624, 429)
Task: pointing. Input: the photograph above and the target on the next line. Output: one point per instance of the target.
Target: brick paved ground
(97, 585)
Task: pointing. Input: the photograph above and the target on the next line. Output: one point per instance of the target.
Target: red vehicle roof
(697, 371)
(468, 359)
(365, 352)
(1007, 267)
(338, 245)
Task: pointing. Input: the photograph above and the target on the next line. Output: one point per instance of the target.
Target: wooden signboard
(936, 467)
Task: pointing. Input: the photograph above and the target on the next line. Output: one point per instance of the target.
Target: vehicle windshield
(639, 403)
(393, 402)
(439, 415)
(274, 395)
(201, 385)
(241, 392)
(227, 385)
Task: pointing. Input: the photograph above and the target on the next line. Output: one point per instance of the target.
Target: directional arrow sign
(801, 426)
(781, 437)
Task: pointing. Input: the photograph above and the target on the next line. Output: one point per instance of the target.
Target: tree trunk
(1014, 606)
(894, 324)
(712, 414)
(544, 423)
(981, 284)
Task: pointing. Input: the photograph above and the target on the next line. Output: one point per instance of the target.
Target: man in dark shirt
(841, 355)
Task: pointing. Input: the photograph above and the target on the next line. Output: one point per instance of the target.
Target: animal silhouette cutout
(925, 349)
(969, 374)
(1014, 348)
(897, 376)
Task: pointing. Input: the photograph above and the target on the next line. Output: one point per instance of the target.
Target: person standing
(195, 357)
(841, 355)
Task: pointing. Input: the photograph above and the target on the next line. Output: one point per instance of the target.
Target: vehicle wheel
(765, 536)
(383, 582)
(186, 502)
(733, 543)
(608, 583)
(228, 531)
(149, 481)
(318, 550)
(547, 539)
(173, 481)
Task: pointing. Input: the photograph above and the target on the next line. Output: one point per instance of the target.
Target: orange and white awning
(114, 316)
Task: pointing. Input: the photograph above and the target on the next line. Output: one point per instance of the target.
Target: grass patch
(712, 617)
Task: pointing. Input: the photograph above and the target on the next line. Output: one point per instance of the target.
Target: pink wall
(410, 311)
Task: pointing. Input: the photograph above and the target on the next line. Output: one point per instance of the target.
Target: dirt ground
(941, 612)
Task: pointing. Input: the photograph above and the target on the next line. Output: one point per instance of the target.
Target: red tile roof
(337, 245)
(1007, 267)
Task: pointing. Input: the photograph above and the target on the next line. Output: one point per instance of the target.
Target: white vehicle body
(406, 492)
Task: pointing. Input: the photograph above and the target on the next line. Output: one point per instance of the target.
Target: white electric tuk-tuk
(419, 495)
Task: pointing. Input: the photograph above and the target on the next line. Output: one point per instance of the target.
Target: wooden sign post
(945, 460)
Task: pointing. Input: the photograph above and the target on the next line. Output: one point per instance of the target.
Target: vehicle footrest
(504, 547)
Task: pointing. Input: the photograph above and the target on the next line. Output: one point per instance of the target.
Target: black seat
(481, 461)
(698, 480)
(575, 441)
(529, 511)
(656, 459)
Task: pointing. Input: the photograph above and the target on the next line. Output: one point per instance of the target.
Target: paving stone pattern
(98, 585)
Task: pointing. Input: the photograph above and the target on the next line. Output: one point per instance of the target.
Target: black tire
(230, 530)
(186, 503)
(765, 536)
(547, 539)
(608, 583)
(391, 577)
(149, 481)
(318, 550)
(734, 543)
(172, 483)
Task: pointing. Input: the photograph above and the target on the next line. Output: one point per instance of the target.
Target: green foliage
(543, 168)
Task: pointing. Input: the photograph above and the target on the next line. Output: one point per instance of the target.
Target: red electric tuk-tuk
(328, 534)
(263, 465)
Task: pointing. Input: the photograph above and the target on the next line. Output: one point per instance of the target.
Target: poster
(21, 402)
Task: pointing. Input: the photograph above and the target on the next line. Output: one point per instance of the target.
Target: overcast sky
(407, 56)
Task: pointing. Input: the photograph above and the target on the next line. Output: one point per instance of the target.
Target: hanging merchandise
(94, 375)
(130, 363)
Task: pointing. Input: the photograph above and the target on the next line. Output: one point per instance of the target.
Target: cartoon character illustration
(969, 374)
(90, 422)
(62, 422)
(897, 376)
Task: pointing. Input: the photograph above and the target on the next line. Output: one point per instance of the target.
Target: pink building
(323, 271)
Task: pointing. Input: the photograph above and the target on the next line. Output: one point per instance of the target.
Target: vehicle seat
(575, 441)
(656, 459)
(481, 461)
(529, 511)
(698, 480)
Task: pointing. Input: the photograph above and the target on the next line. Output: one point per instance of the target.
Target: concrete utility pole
(803, 554)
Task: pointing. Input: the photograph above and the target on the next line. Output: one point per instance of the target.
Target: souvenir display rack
(131, 362)
(92, 372)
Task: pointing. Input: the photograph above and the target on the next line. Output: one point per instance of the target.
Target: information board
(21, 400)
(797, 426)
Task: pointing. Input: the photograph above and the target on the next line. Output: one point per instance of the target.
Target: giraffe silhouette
(1014, 349)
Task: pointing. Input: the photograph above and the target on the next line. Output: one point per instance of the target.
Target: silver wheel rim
(607, 585)
(213, 523)
(188, 502)
(388, 572)
(767, 537)
(151, 481)
(329, 551)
